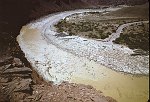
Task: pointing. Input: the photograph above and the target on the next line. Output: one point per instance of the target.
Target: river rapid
(65, 59)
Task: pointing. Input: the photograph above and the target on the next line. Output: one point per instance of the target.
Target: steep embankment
(16, 13)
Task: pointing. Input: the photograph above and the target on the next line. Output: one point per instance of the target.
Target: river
(58, 65)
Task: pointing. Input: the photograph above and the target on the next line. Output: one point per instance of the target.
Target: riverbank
(19, 82)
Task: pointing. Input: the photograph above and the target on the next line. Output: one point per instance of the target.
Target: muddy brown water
(122, 87)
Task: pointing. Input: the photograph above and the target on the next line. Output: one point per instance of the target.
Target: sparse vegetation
(135, 37)
(91, 24)
(99, 26)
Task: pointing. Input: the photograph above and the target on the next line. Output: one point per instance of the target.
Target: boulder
(15, 70)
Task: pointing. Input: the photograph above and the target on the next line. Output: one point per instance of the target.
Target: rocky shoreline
(19, 83)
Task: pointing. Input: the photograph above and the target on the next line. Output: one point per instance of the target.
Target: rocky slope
(19, 83)
(16, 13)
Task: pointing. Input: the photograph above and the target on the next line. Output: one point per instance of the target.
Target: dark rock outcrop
(15, 79)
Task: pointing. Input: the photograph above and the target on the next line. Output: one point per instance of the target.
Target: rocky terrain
(18, 81)
(16, 13)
